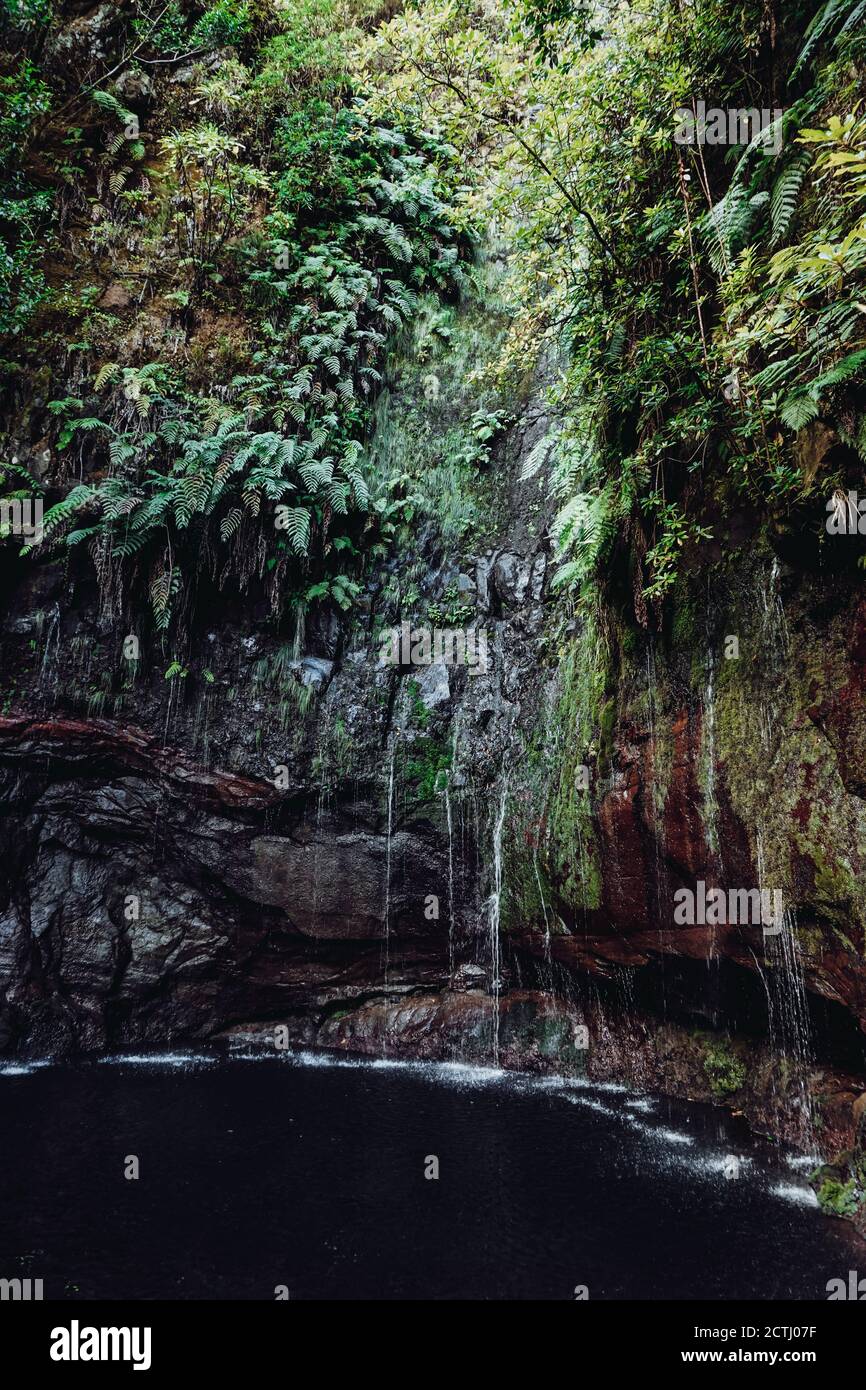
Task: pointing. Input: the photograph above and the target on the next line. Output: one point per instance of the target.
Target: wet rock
(433, 684)
(86, 39)
(133, 85)
(316, 671)
(511, 575)
(469, 977)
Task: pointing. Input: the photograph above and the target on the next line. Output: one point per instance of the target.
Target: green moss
(839, 1198)
(725, 1072)
(606, 726)
(426, 763)
(419, 712)
(845, 940)
(811, 940)
(835, 886)
(582, 723)
(684, 623)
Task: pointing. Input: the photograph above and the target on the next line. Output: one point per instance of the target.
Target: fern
(537, 457)
(785, 194)
(799, 410)
(833, 13)
(231, 523)
(294, 522)
(61, 512)
(582, 529)
(192, 475)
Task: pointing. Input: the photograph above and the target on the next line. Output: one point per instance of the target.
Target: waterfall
(450, 778)
(711, 813)
(775, 620)
(708, 735)
(789, 1022)
(494, 906)
(397, 729)
(790, 1011)
(320, 808)
(48, 667)
(548, 960)
(787, 1003)
(392, 744)
(658, 818)
(450, 874)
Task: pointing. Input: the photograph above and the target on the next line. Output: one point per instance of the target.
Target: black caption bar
(152, 1340)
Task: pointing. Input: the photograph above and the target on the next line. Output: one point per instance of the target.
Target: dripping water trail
(708, 734)
(392, 745)
(395, 732)
(494, 908)
(789, 1021)
(450, 875)
(451, 780)
(48, 668)
(658, 821)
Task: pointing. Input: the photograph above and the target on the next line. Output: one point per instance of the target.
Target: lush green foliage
(280, 208)
(286, 206)
(839, 1198)
(725, 1072)
(24, 208)
(709, 297)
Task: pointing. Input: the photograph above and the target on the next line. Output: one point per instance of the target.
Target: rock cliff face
(223, 852)
(446, 861)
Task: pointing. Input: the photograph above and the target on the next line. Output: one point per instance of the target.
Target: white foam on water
(554, 1083)
(793, 1192)
(159, 1059)
(718, 1163)
(22, 1068)
(444, 1073)
(802, 1162)
(317, 1059)
(462, 1072)
(573, 1083)
(457, 1074)
(670, 1136)
(590, 1104)
(645, 1106)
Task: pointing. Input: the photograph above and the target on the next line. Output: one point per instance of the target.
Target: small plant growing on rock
(839, 1198)
(726, 1072)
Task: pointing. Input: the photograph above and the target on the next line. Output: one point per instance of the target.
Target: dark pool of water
(309, 1173)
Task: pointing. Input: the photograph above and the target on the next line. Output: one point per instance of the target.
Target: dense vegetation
(710, 295)
(274, 233)
(275, 185)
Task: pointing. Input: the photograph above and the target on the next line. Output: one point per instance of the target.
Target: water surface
(308, 1172)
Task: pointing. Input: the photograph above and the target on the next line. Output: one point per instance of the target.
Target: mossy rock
(725, 1072)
